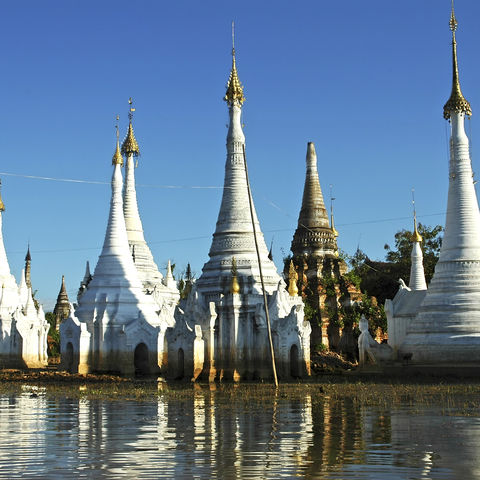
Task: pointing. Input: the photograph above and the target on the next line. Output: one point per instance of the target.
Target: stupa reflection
(233, 433)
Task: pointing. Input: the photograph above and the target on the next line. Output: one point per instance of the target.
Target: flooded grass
(454, 395)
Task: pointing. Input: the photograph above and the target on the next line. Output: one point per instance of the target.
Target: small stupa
(23, 328)
(221, 329)
(87, 278)
(401, 311)
(28, 268)
(446, 329)
(116, 326)
(62, 307)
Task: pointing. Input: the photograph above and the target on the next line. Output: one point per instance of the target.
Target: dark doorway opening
(180, 364)
(140, 360)
(69, 357)
(294, 363)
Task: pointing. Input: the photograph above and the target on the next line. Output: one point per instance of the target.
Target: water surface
(203, 433)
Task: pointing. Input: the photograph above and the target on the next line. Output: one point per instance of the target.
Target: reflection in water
(211, 434)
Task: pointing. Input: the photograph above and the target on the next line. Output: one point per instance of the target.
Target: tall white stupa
(23, 328)
(116, 326)
(163, 289)
(221, 330)
(447, 326)
(233, 235)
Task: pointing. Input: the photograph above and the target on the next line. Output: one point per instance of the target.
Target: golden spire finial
(235, 286)
(292, 280)
(130, 145)
(416, 236)
(117, 158)
(234, 87)
(457, 102)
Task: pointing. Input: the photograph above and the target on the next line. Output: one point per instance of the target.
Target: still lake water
(207, 434)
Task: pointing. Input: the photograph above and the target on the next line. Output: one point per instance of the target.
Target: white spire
(115, 280)
(88, 276)
(417, 274)
(461, 239)
(233, 235)
(6, 278)
(30, 305)
(169, 280)
(4, 267)
(146, 266)
(447, 327)
(115, 258)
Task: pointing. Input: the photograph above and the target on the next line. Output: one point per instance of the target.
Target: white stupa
(221, 329)
(233, 235)
(401, 311)
(23, 328)
(115, 326)
(164, 291)
(447, 326)
(417, 272)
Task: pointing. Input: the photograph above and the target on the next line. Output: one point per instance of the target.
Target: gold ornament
(292, 277)
(235, 286)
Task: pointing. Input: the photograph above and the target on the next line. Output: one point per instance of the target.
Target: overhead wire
(201, 237)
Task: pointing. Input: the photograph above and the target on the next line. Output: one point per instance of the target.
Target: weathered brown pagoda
(62, 307)
(316, 258)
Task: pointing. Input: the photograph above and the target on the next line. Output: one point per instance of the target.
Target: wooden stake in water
(265, 302)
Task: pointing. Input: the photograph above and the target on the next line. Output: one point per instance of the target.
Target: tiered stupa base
(228, 340)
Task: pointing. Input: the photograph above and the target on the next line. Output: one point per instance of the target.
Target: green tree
(186, 282)
(53, 340)
(379, 279)
(431, 244)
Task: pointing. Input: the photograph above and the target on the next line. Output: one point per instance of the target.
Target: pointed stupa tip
(311, 154)
(117, 158)
(457, 102)
(234, 92)
(87, 272)
(130, 144)
(28, 257)
(63, 288)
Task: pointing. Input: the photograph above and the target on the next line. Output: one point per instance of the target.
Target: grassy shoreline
(371, 391)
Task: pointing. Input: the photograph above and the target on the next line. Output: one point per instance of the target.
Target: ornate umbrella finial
(234, 87)
(117, 158)
(130, 145)
(457, 102)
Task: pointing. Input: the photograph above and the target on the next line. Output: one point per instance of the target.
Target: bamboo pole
(265, 302)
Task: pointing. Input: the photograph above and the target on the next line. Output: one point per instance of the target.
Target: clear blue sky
(365, 81)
